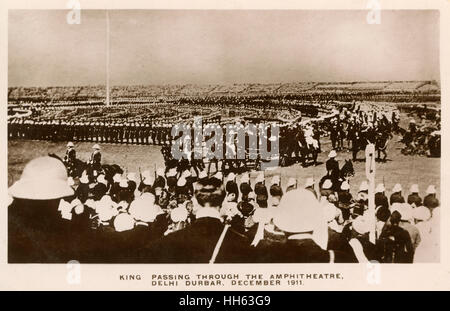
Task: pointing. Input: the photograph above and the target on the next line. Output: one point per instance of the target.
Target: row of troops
(155, 133)
(105, 132)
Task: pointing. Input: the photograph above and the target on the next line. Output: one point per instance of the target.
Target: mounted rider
(95, 160)
(70, 158)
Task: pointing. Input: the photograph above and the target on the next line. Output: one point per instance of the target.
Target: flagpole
(107, 58)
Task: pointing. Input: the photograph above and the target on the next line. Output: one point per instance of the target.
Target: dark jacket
(38, 234)
(196, 243)
(381, 200)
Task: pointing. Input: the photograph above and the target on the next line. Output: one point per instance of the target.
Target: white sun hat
(96, 147)
(179, 214)
(275, 180)
(431, 189)
(397, 188)
(101, 179)
(364, 186)
(231, 176)
(218, 175)
(332, 154)
(144, 209)
(148, 181)
(245, 178)
(292, 182)
(181, 182)
(345, 186)
(172, 172)
(132, 176)
(361, 225)
(70, 144)
(259, 177)
(414, 188)
(380, 188)
(117, 178)
(327, 184)
(297, 212)
(123, 183)
(123, 222)
(43, 178)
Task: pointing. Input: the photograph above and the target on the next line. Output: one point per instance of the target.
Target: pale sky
(209, 47)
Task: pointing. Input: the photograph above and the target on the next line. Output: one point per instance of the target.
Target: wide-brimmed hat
(123, 222)
(259, 177)
(431, 189)
(96, 147)
(414, 188)
(179, 214)
(148, 181)
(117, 178)
(291, 182)
(245, 178)
(43, 178)
(231, 176)
(276, 180)
(297, 212)
(327, 184)
(70, 144)
(181, 182)
(361, 225)
(123, 183)
(101, 179)
(380, 188)
(364, 186)
(345, 186)
(332, 154)
(144, 209)
(397, 188)
(172, 172)
(132, 176)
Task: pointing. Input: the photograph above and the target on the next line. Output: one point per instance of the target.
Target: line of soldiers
(104, 132)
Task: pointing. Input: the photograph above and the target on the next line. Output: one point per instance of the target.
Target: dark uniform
(332, 167)
(196, 243)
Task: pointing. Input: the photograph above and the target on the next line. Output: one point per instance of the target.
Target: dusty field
(399, 168)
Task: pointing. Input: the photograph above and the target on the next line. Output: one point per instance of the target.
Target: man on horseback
(70, 158)
(332, 167)
(95, 160)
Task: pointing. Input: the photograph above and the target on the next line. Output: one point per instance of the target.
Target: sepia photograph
(152, 136)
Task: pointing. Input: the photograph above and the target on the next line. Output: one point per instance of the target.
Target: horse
(309, 149)
(77, 169)
(358, 143)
